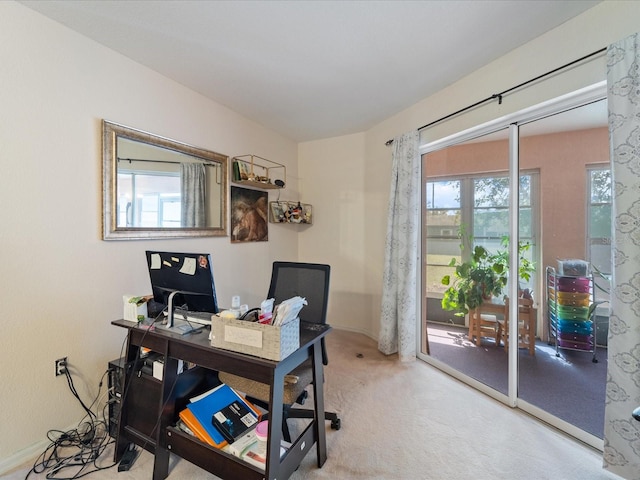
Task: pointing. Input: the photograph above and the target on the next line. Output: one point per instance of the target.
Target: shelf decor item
(258, 172)
(290, 212)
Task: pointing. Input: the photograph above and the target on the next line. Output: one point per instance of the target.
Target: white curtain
(621, 431)
(192, 190)
(398, 322)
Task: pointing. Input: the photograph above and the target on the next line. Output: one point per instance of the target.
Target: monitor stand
(181, 327)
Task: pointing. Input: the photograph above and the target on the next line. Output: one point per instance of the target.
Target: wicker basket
(265, 341)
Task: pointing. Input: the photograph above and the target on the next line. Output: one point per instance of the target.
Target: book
(234, 420)
(242, 444)
(204, 406)
(258, 458)
(236, 171)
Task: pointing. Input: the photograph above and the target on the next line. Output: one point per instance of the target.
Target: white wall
(331, 179)
(60, 284)
(357, 305)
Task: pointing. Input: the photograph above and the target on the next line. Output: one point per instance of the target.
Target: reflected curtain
(621, 431)
(192, 190)
(398, 323)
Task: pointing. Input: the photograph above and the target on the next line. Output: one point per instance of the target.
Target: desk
(165, 438)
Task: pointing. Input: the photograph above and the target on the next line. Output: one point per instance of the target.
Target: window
(477, 207)
(599, 218)
(599, 210)
(443, 221)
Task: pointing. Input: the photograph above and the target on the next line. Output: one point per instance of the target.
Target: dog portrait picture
(249, 215)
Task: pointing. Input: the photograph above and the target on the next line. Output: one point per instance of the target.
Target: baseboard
(22, 457)
(26, 455)
(356, 330)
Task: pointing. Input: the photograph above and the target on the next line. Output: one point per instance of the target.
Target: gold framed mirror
(154, 187)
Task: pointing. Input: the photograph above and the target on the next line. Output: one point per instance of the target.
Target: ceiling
(313, 69)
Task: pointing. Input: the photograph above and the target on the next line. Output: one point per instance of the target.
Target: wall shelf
(290, 212)
(258, 172)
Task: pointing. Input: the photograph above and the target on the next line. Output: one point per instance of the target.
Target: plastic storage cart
(570, 314)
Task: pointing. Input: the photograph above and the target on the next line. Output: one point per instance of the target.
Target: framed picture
(277, 211)
(249, 217)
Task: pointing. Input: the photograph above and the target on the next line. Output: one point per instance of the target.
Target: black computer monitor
(188, 276)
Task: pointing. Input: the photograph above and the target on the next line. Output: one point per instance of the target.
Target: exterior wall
(561, 159)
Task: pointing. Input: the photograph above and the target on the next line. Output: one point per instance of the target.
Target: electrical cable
(133, 364)
(75, 453)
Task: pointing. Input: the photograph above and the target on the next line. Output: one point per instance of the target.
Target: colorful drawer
(573, 284)
(572, 313)
(573, 337)
(573, 299)
(575, 345)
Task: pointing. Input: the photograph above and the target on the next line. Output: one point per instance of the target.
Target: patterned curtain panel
(398, 322)
(622, 432)
(192, 190)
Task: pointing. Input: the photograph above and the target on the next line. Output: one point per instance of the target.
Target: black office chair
(290, 279)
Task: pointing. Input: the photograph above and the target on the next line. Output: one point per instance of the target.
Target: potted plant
(482, 277)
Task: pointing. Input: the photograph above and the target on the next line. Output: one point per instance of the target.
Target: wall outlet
(61, 366)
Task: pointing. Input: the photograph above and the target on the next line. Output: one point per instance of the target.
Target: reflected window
(149, 200)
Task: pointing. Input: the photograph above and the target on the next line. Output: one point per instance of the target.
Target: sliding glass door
(560, 209)
(567, 377)
(466, 206)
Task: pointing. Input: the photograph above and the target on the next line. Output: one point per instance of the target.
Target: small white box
(158, 368)
(135, 308)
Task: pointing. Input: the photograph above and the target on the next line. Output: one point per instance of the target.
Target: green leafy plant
(482, 277)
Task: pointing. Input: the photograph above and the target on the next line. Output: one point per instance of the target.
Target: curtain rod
(509, 90)
(120, 159)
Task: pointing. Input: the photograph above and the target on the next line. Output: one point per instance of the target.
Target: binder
(215, 400)
(191, 421)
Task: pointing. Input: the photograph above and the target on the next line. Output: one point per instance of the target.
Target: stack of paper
(288, 310)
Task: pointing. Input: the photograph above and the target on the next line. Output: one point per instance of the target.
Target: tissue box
(135, 307)
(253, 338)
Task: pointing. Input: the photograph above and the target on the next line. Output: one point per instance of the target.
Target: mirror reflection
(156, 187)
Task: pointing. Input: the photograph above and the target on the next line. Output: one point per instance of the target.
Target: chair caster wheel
(335, 424)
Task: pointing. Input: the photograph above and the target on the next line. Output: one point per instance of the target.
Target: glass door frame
(593, 93)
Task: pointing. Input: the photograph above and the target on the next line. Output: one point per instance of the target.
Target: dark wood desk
(164, 438)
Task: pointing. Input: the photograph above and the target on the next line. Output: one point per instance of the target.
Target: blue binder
(217, 399)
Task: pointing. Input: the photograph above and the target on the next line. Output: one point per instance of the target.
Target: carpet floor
(410, 421)
(570, 386)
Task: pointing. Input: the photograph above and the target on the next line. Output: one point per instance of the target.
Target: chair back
(308, 280)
